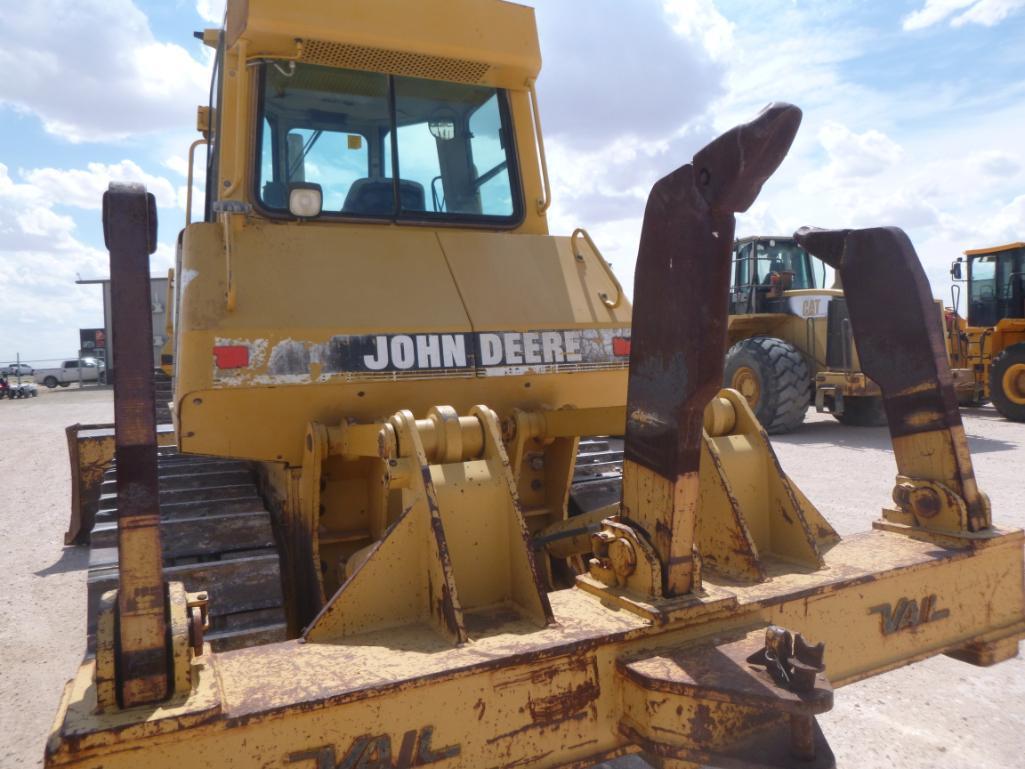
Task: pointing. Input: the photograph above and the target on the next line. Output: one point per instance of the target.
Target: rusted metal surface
(728, 702)
(129, 231)
(681, 290)
(294, 697)
(901, 347)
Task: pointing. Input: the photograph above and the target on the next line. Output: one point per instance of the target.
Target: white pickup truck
(69, 371)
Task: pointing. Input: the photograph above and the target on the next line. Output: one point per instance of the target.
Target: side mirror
(955, 270)
(305, 200)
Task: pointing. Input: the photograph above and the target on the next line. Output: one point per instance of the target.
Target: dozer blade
(681, 288)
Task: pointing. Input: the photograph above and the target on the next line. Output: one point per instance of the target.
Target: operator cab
(764, 268)
(996, 284)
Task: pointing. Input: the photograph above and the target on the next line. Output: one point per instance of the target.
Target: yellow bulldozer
(988, 346)
(353, 547)
(791, 339)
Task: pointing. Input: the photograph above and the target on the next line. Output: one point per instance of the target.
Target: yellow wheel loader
(353, 548)
(791, 341)
(988, 346)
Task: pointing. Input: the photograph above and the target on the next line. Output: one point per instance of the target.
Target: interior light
(305, 199)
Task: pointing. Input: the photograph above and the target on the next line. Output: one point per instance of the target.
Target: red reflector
(231, 356)
(620, 346)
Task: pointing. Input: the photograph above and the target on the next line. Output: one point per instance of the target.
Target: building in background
(92, 339)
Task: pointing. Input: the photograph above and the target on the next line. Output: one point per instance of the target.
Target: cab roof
(994, 249)
(489, 42)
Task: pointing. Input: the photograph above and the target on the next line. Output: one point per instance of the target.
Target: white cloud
(933, 152)
(179, 164)
(91, 70)
(987, 13)
(210, 10)
(623, 69)
(85, 188)
(997, 163)
(933, 12)
(700, 20)
(41, 256)
(1006, 224)
(622, 93)
(857, 155)
(39, 260)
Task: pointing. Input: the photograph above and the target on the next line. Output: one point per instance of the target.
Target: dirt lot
(938, 713)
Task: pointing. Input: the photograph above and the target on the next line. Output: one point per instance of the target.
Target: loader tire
(773, 376)
(862, 411)
(1007, 382)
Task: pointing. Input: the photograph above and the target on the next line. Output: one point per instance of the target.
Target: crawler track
(598, 475)
(216, 535)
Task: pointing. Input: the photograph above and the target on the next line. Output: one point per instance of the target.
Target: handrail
(545, 200)
(242, 75)
(188, 191)
(226, 210)
(581, 232)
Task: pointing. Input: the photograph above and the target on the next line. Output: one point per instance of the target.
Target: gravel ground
(938, 714)
(42, 633)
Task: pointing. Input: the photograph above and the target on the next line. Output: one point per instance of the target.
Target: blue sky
(914, 116)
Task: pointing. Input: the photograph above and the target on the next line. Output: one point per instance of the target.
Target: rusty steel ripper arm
(679, 328)
(900, 343)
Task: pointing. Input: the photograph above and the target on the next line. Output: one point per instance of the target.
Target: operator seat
(373, 195)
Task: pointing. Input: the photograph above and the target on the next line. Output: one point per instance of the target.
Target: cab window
(389, 147)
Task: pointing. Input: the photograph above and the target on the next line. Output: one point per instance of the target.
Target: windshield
(996, 287)
(777, 255)
(387, 147)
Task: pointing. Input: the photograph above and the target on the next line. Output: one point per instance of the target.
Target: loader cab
(996, 284)
(764, 268)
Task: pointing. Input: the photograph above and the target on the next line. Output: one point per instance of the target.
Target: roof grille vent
(393, 62)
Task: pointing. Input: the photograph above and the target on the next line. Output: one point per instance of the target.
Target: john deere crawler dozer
(377, 335)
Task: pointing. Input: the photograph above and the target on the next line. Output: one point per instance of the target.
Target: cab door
(742, 281)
